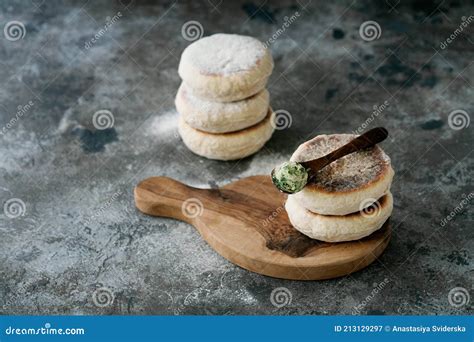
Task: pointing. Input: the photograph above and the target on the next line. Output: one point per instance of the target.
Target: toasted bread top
(350, 173)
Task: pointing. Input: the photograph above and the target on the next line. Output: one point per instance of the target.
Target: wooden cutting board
(245, 222)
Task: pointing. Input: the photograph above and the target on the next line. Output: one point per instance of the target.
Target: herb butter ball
(290, 177)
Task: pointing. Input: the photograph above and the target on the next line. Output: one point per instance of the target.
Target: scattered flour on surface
(67, 122)
(164, 125)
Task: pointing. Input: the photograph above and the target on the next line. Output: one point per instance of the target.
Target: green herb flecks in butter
(290, 177)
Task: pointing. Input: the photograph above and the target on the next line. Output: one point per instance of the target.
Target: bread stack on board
(348, 199)
(223, 104)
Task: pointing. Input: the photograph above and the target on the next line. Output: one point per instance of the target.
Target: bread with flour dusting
(219, 117)
(227, 146)
(226, 67)
(340, 228)
(348, 184)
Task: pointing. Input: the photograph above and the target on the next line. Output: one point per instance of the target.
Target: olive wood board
(246, 222)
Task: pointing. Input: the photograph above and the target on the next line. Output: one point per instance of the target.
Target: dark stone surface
(80, 231)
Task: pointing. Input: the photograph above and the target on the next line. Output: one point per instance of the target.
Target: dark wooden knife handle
(366, 140)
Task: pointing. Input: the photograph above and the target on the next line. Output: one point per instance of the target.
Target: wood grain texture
(245, 221)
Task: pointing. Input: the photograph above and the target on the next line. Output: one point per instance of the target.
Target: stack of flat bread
(223, 104)
(348, 199)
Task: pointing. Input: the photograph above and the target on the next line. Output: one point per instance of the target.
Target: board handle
(163, 196)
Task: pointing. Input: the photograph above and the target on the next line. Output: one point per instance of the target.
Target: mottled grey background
(80, 231)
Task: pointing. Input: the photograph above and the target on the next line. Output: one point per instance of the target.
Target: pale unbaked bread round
(220, 117)
(348, 184)
(339, 228)
(227, 146)
(226, 67)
